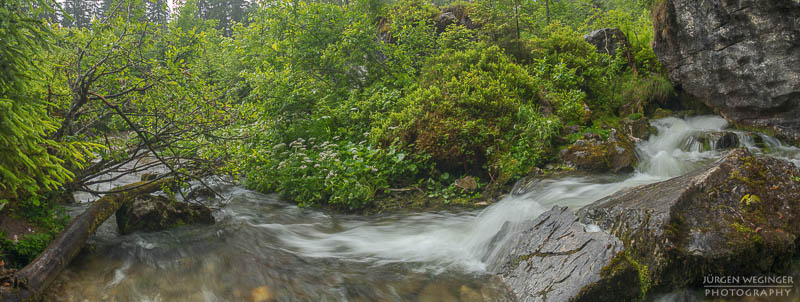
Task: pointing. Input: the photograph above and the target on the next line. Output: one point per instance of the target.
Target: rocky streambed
(698, 202)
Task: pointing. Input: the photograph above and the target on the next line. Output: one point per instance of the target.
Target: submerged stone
(149, 213)
(711, 141)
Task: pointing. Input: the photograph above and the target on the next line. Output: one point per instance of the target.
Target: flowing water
(262, 248)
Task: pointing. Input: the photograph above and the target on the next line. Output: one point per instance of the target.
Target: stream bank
(261, 244)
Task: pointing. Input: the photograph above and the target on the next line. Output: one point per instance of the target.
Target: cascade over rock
(739, 215)
(742, 58)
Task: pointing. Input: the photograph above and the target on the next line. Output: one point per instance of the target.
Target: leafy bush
(21, 252)
(344, 174)
(530, 144)
(456, 37)
(464, 113)
(47, 220)
(638, 92)
(583, 68)
(560, 86)
(359, 97)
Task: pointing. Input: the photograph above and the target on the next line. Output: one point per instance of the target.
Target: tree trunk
(31, 281)
(547, 10)
(516, 19)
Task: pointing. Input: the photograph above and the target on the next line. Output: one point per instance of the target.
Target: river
(263, 248)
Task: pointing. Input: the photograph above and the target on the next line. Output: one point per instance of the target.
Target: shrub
(637, 25)
(561, 90)
(21, 252)
(576, 65)
(465, 113)
(47, 220)
(343, 174)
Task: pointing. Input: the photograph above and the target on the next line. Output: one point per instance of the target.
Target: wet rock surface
(554, 258)
(149, 213)
(742, 58)
(593, 153)
(711, 141)
(720, 140)
(739, 215)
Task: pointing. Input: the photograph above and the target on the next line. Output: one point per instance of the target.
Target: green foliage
(337, 101)
(469, 109)
(602, 131)
(637, 25)
(574, 66)
(485, 99)
(530, 144)
(749, 199)
(570, 13)
(23, 251)
(637, 92)
(346, 174)
(444, 188)
(560, 87)
(29, 160)
(47, 219)
(455, 37)
(409, 27)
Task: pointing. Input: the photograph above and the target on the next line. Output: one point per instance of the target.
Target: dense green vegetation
(367, 96)
(326, 103)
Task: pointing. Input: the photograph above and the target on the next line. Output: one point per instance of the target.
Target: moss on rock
(737, 216)
(150, 213)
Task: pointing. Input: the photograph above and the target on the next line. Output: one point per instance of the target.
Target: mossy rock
(149, 213)
(737, 216)
(593, 153)
(637, 129)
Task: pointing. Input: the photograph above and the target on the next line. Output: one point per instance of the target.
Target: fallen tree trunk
(30, 282)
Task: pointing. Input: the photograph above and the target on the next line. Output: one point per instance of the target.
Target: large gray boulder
(742, 58)
(148, 213)
(737, 216)
(554, 258)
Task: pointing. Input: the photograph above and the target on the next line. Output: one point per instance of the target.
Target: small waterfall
(470, 241)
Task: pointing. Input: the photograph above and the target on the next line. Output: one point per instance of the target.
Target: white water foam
(463, 239)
